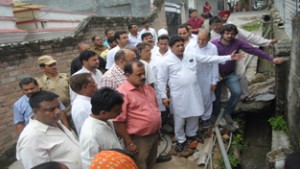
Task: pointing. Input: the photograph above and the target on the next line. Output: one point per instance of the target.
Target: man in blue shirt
(21, 107)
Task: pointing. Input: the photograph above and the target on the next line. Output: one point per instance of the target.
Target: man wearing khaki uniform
(55, 82)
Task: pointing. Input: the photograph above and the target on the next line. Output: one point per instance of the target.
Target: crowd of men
(121, 91)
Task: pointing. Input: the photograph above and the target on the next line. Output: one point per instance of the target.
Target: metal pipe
(222, 148)
(220, 141)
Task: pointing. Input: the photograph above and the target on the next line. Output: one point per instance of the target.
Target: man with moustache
(21, 108)
(45, 138)
(122, 41)
(139, 122)
(179, 72)
(90, 63)
(55, 82)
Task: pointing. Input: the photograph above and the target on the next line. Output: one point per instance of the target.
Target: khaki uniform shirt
(98, 50)
(59, 86)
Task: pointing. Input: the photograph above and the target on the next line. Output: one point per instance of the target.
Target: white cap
(162, 32)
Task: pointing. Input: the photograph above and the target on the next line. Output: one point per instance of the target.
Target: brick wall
(20, 60)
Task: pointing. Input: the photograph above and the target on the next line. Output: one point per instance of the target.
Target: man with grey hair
(207, 73)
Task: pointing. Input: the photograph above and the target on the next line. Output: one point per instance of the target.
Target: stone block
(283, 48)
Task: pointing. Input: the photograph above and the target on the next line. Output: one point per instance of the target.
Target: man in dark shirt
(76, 64)
(226, 45)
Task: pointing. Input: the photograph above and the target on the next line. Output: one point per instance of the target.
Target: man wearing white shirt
(147, 28)
(144, 49)
(98, 132)
(179, 71)
(192, 36)
(45, 138)
(122, 41)
(90, 63)
(157, 55)
(183, 31)
(208, 73)
(84, 85)
(133, 36)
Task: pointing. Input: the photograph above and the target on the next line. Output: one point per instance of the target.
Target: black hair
(140, 47)
(175, 39)
(205, 15)
(111, 39)
(215, 19)
(145, 21)
(94, 37)
(128, 68)
(105, 99)
(41, 96)
(119, 33)
(192, 10)
(187, 24)
(146, 34)
(229, 28)
(183, 26)
(78, 81)
(107, 30)
(27, 80)
(130, 26)
(292, 161)
(163, 37)
(48, 165)
(86, 55)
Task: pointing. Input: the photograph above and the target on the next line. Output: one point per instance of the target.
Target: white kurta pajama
(156, 59)
(186, 97)
(208, 74)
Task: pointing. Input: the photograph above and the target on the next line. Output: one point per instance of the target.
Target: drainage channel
(258, 136)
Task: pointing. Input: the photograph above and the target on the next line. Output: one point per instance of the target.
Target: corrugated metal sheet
(287, 10)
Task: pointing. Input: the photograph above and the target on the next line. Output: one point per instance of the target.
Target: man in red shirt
(140, 121)
(195, 20)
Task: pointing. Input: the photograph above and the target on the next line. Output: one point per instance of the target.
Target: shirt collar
(118, 69)
(86, 70)
(83, 97)
(129, 86)
(45, 77)
(41, 126)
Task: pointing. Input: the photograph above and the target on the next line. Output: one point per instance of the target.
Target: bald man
(115, 76)
(208, 73)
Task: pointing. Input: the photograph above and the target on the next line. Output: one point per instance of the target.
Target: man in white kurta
(179, 71)
(85, 86)
(157, 55)
(90, 63)
(45, 138)
(122, 40)
(208, 73)
(96, 136)
(98, 132)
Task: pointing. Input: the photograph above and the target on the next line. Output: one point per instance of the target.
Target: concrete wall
(100, 7)
(293, 93)
(19, 60)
